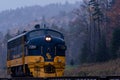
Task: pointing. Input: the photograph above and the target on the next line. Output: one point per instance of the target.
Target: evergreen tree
(72, 62)
(115, 44)
(7, 36)
(102, 54)
(84, 55)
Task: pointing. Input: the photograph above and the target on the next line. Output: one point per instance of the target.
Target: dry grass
(3, 73)
(111, 68)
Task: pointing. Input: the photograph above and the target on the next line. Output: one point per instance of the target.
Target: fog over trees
(91, 29)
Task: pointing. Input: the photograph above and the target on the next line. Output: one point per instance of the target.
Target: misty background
(91, 32)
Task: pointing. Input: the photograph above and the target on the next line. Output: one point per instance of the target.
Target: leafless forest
(91, 30)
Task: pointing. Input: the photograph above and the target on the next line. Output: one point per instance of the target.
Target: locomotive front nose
(49, 55)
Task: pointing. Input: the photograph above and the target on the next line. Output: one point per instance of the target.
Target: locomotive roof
(29, 32)
(17, 37)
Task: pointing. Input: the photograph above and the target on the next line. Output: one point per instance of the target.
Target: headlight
(59, 60)
(32, 47)
(48, 39)
(38, 59)
(62, 47)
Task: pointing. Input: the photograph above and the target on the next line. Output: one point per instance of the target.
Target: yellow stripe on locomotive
(36, 65)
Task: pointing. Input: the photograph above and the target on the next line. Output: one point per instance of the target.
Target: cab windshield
(43, 32)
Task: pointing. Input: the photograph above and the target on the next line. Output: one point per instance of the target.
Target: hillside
(110, 68)
(15, 18)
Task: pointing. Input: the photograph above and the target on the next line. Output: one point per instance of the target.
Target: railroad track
(65, 78)
(51, 78)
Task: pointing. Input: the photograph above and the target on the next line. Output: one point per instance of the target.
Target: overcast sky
(13, 4)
